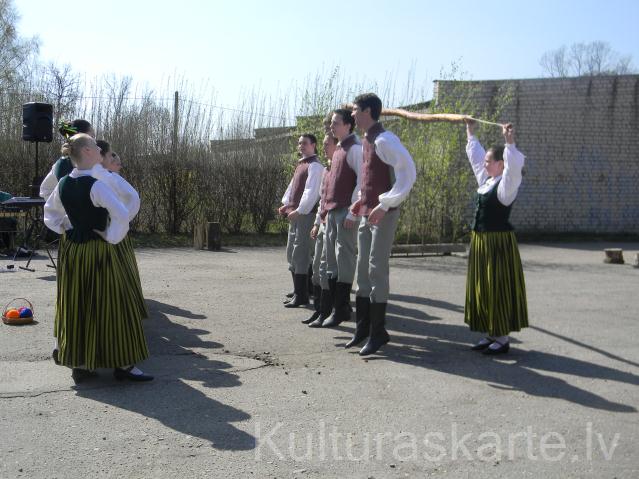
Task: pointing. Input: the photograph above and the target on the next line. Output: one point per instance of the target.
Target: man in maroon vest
(322, 300)
(340, 242)
(298, 205)
(388, 174)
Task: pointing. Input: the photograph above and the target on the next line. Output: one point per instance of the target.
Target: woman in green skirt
(495, 289)
(107, 172)
(97, 321)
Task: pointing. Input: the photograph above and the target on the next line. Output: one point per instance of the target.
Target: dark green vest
(75, 194)
(490, 214)
(62, 167)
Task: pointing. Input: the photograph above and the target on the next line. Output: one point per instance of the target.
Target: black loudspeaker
(37, 122)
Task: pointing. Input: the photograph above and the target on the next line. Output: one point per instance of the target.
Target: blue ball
(26, 313)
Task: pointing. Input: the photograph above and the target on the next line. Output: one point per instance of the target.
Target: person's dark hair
(67, 129)
(345, 114)
(312, 139)
(372, 101)
(498, 152)
(104, 146)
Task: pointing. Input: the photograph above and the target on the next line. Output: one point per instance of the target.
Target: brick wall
(581, 140)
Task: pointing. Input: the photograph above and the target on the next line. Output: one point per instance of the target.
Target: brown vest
(340, 180)
(376, 175)
(299, 183)
(323, 194)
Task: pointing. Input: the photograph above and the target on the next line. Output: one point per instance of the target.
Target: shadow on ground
(170, 399)
(422, 340)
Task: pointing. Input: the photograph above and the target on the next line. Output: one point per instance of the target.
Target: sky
(236, 46)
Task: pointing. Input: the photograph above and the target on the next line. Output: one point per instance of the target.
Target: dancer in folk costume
(97, 322)
(299, 205)
(388, 174)
(340, 241)
(106, 171)
(495, 290)
(322, 300)
(63, 165)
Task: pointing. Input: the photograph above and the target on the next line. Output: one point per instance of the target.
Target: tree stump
(199, 236)
(613, 256)
(207, 235)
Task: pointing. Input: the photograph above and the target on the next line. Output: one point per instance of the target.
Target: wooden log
(613, 256)
(199, 236)
(207, 235)
(422, 249)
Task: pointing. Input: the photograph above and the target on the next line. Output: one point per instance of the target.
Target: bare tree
(14, 50)
(585, 59)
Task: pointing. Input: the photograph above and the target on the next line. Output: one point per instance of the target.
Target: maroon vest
(299, 183)
(341, 180)
(323, 194)
(376, 175)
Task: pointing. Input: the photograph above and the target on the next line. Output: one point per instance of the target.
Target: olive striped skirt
(495, 289)
(97, 321)
(126, 255)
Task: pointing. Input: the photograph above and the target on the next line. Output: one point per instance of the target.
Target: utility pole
(174, 154)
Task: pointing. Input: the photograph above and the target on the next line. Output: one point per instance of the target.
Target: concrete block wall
(581, 140)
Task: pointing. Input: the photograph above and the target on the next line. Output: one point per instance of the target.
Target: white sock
(499, 342)
(55, 343)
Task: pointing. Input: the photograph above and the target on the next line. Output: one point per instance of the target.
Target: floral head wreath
(67, 129)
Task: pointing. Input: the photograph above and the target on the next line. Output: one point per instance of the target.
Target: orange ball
(12, 313)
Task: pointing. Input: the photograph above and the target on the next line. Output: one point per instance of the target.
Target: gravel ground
(243, 389)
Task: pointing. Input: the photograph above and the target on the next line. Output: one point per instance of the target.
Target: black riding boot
(326, 305)
(317, 298)
(362, 320)
(342, 304)
(292, 293)
(300, 298)
(378, 336)
(310, 278)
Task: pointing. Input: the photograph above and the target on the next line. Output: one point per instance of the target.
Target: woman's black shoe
(79, 375)
(54, 355)
(122, 374)
(502, 349)
(480, 346)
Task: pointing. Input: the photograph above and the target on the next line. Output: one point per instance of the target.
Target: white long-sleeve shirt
(311, 189)
(391, 151)
(509, 181)
(122, 188)
(48, 184)
(56, 219)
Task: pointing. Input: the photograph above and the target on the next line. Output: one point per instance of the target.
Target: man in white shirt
(341, 190)
(387, 176)
(299, 204)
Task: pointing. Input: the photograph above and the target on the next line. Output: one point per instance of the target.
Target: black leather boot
(326, 307)
(317, 298)
(378, 335)
(342, 306)
(292, 293)
(300, 298)
(362, 321)
(310, 277)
